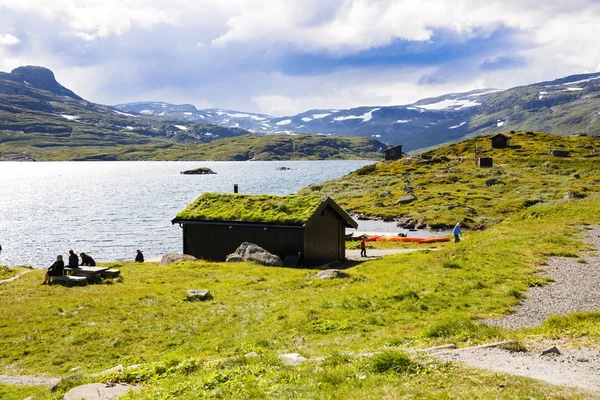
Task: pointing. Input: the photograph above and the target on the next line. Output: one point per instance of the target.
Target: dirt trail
(17, 276)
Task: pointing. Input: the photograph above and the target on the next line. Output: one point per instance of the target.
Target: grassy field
(394, 304)
(450, 188)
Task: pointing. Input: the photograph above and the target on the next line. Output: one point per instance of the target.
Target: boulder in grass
(409, 198)
(199, 294)
(174, 258)
(292, 359)
(100, 391)
(253, 253)
(332, 274)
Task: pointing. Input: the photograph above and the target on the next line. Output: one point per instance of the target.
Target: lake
(110, 209)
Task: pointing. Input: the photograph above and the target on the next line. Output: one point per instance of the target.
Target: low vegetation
(6, 272)
(196, 349)
(449, 187)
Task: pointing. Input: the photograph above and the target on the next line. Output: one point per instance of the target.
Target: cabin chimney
(235, 188)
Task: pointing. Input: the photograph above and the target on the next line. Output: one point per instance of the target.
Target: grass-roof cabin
(500, 141)
(393, 153)
(216, 224)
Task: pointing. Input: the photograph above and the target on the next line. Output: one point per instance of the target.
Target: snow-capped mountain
(567, 105)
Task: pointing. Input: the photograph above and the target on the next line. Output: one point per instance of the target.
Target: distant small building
(485, 162)
(216, 224)
(500, 141)
(394, 153)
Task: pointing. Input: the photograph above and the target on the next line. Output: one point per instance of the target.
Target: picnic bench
(87, 272)
(69, 278)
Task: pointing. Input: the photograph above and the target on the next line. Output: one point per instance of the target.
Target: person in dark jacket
(56, 269)
(73, 260)
(87, 260)
(139, 257)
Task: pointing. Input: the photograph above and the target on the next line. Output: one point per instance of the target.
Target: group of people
(58, 268)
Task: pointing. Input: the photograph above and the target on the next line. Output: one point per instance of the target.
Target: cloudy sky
(282, 57)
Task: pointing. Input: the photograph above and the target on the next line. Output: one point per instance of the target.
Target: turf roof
(290, 209)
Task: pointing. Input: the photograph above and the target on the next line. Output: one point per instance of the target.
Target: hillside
(42, 120)
(564, 106)
(443, 186)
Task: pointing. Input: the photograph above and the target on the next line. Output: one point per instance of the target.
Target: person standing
(56, 269)
(139, 257)
(363, 246)
(457, 231)
(73, 260)
(87, 260)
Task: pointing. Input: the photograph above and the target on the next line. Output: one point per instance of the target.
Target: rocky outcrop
(99, 391)
(39, 78)
(174, 258)
(409, 198)
(198, 294)
(253, 253)
(199, 171)
(332, 274)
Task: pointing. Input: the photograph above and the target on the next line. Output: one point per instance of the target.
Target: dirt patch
(573, 368)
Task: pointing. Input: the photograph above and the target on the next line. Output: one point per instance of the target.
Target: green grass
(407, 300)
(450, 188)
(6, 272)
(239, 207)
(22, 392)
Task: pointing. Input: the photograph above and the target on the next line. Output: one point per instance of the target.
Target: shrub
(366, 170)
(395, 361)
(451, 264)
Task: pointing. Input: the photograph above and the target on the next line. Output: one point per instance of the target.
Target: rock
(292, 359)
(254, 253)
(199, 294)
(285, 169)
(378, 204)
(174, 258)
(332, 274)
(99, 391)
(118, 369)
(252, 354)
(451, 206)
(74, 369)
(385, 194)
(409, 198)
(558, 153)
(199, 171)
(551, 350)
(576, 176)
(492, 182)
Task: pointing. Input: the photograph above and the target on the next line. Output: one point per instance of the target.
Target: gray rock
(292, 359)
(409, 198)
(551, 350)
(174, 258)
(558, 153)
(492, 182)
(385, 194)
(332, 274)
(254, 253)
(199, 294)
(378, 204)
(99, 391)
(252, 354)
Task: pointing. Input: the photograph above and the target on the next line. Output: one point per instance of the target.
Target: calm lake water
(110, 209)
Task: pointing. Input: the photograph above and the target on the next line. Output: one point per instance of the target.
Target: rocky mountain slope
(38, 115)
(564, 106)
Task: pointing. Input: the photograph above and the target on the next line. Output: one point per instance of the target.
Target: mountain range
(564, 106)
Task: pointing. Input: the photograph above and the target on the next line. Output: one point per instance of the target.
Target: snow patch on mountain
(284, 122)
(147, 112)
(500, 124)
(457, 126)
(365, 117)
(183, 128)
(450, 104)
(69, 117)
(125, 114)
(402, 121)
(319, 116)
(306, 119)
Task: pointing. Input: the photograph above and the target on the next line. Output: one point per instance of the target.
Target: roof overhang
(258, 224)
(329, 202)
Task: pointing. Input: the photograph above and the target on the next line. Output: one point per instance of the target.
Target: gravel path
(573, 368)
(17, 276)
(24, 380)
(354, 255)
(576, 287)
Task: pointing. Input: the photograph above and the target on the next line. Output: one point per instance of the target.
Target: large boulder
(174, 258)
(99, 391)
(409, 198)
(254, 253)
(332, 274)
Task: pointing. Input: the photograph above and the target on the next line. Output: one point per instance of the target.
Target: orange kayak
(408, 239)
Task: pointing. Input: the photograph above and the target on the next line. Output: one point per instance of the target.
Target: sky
(282, 57)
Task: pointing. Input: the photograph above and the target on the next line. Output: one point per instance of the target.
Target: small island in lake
(199, 171)
(285, 169)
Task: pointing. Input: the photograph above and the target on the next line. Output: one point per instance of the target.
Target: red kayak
(407, 239)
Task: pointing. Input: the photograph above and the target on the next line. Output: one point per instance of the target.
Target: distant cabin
(500, 141)
(485, 162)
(394, 153)
(216, 224)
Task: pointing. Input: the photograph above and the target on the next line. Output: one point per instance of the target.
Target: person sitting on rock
(87, 260)
(73, 260)
(56, 269)
(139, 257)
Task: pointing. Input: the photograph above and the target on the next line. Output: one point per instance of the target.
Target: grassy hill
(449, 187)
(359, 334)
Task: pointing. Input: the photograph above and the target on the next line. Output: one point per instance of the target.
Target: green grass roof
(290, 209)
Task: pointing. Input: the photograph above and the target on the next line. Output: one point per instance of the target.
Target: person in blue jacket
(457, 231)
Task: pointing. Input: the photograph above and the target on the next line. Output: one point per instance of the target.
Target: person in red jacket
(363, 246)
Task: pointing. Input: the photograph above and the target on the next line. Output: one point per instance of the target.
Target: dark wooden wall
(500, 142)
(214, 241)
(324, 239)
(395, 153)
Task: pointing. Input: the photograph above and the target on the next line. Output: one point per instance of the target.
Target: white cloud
(9, 40)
